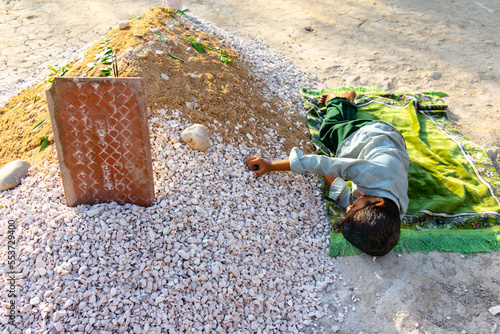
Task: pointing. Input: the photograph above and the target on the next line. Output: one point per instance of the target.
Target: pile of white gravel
(219, 251)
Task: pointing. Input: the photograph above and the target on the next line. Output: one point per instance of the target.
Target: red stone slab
(101, 133)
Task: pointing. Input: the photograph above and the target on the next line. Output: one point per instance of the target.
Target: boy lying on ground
(371, 154)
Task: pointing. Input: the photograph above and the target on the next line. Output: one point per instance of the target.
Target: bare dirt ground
(450, 46)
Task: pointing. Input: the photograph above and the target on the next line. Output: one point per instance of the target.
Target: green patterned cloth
(453, 187)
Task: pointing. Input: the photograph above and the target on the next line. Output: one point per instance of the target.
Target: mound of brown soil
(225, 97)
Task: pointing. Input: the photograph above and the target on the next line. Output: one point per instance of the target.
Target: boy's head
(372, 225)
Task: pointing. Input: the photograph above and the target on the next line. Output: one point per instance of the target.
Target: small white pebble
(59, 327)
(123, 24)
(35, 301)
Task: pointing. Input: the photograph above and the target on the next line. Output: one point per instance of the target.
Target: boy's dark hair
(374, 229)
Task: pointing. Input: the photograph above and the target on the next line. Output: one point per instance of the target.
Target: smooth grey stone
(12, 173)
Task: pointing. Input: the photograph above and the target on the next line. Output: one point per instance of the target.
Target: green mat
(453, 186)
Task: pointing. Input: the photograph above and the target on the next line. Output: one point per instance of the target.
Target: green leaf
(106, 57)
(53, 69)
(160, 36)
(17, 105)
(197, 45)
(180, 12)
(172, 15)
(107, 41)
(39, 124)
(107, 51)
(64, 70)
(36, 98)
(60, 71)
(105, 72)
(224, 57)
(171, 55)
(43, 143)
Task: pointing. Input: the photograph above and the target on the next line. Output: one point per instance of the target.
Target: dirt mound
(185, 69)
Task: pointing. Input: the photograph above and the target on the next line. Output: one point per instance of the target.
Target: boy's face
(362, 202)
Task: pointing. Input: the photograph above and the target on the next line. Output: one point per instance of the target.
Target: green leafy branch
(222, 55)
(43, 143)
(196, 45)
(106, 58)
(58, 71)
(177, 11)
(171, 14)
(180, 12)
(107, 41)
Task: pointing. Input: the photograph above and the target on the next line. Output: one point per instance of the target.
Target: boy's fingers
(258, 172)
(247, 161)
(255, 168)
(251, 162)
(256, 165)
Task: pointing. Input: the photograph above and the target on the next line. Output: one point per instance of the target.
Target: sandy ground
(450, 46)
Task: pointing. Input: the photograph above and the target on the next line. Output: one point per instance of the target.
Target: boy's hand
(262, 166)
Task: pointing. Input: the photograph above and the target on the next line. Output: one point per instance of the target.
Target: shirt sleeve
(340, 193)
(323, 165)
(345, 168)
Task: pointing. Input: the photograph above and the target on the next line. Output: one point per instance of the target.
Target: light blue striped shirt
(374, 159)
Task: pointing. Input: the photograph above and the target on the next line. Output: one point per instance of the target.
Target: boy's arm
(263, 166)
(340, 193)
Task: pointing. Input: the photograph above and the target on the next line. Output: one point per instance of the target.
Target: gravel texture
(218, 251)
